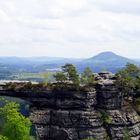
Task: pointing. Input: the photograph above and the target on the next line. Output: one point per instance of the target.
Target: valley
(33, 68)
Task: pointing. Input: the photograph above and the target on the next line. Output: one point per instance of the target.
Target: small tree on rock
(87, 78)
(60, 77)
(127, 79)
(71, 74)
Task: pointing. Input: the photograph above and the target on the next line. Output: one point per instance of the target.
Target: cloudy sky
(69, 28)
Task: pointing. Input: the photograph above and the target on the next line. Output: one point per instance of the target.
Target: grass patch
(45, 76)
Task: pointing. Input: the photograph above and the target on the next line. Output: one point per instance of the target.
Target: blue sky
(69, 28)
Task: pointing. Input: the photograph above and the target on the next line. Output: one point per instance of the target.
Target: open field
(44, 76)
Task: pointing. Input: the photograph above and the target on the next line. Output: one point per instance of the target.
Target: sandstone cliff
(72, 115)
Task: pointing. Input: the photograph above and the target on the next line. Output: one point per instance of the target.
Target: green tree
(60, 77)
(132, 69)
(125, 83)
(87, 78)
(15, 126)
(127, 79)
(71, 74)
(3, 137)
(137, 86)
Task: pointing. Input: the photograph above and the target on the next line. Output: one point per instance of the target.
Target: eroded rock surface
(71, 118)
(77, 116)
(68, 125)
(72, 115)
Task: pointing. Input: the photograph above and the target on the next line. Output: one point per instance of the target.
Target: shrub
(3, 137)
(87, 78)
(126, 135)
(106, 118)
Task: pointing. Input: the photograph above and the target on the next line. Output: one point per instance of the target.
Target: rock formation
(124, 119)
(76, 115)
(71, 116)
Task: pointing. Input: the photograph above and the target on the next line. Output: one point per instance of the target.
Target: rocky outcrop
(70, 118)
(76, 115)
(68, 125)
(124, 119)
(108, 96)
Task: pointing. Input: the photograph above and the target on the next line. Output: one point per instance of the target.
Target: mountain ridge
(106, 61)
(103, 61)
(107, 55)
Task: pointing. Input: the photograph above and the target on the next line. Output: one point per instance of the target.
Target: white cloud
(69, 28)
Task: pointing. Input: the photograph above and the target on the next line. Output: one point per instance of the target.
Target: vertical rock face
(68, 125)
(108, 96)
(71, 118)
(78, 115)
(124, 119)
(124, 122)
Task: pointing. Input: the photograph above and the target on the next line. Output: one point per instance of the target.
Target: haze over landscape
(69, 28)
(32, 68)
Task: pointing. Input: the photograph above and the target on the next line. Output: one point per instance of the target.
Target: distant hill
(109, 61)
(108, 57)
(106, 61)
